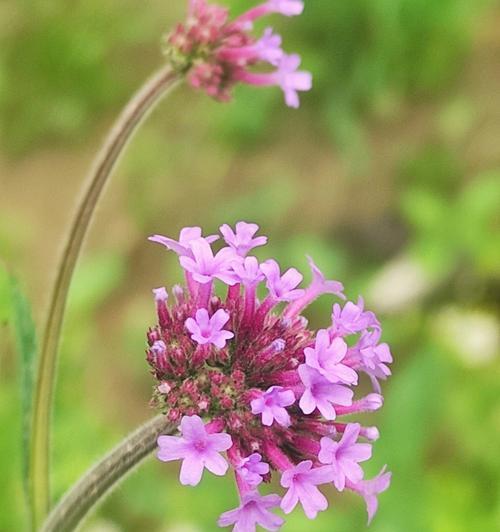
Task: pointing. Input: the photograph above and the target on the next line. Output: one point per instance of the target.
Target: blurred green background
(389, 175)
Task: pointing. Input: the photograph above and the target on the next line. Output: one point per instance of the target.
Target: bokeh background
(389, 175)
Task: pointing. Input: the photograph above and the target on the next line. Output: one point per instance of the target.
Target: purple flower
(321, 394)
(271, 404)
(318, 287)
(252, 468)
(197, 449)
(186, 236)
(160, 294)
(208, 330)
(301, 482)
(242, 240)
(290, 80)
(345, 455)
(268, 47)
(352, 318)
(327, 356)
(288, 8)
(282, 287)
(205, 266)
(286, 76)
(369, 489)
(253, 511)
(248, 271)
(159, 348)
(374, 356)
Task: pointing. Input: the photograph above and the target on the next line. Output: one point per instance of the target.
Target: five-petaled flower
(344, 455)
(197, 449)
(209, 330)
(271, 404)
(301, 482)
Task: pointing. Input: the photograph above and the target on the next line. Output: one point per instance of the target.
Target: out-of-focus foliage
(388, 175)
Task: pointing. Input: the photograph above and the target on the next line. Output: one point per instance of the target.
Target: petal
(191, 471)
(267, 417)
(358, 452)
(229, 518)
(171, 448)
(281, 416)
(286, 398)
(326, 409)
(343, 396)
(219, 319)
(352, 470)
(350, 436)
(307, 402)
(215, 463)
(290, 500)
(192, 428)
(312, 500)
(220, 441)
(192, 326)
(321, 475)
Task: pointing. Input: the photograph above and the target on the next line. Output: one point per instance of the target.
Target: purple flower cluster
(245, 375)
(218, 52)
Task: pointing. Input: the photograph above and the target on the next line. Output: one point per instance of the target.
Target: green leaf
(25, 334)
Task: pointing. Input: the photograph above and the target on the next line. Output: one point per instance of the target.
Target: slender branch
(135, 111)
(104, 476)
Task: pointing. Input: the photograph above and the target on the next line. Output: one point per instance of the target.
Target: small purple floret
(345, 455)
(209, 330)
(271, 404)
(197, 449)
(282, 287)
(254, 510)
(301, 482)
(327, 356)
(252, 469)
(322, 394)
(242, 240)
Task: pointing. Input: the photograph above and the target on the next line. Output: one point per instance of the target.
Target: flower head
(217, 53)
(271, 391)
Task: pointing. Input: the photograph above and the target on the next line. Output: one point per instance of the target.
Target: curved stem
(104, 476)
(135, 111)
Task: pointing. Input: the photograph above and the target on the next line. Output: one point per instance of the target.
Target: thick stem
(104, 476)
(135, 111)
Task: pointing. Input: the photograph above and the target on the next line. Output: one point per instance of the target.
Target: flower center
(200, 445)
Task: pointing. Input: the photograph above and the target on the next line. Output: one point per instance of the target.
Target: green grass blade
(25, 335)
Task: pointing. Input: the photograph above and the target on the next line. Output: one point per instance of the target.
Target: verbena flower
(245, 375)
(217, 52)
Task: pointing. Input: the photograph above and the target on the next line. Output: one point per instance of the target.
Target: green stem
(104, 476)
(133, 114)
